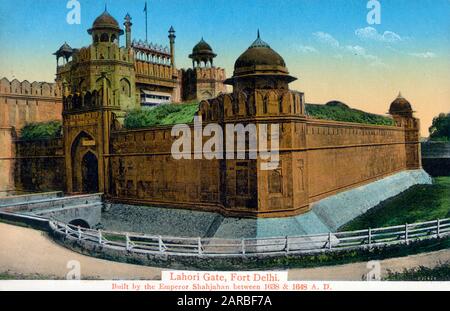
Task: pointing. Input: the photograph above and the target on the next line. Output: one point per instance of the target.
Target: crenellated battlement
(34, 89)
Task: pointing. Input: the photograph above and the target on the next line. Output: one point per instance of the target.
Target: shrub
(40, 131)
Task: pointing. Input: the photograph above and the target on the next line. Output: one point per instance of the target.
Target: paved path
(29, 252)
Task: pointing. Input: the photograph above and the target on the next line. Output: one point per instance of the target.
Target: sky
(327, 44)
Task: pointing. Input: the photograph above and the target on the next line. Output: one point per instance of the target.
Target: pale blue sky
(38, 27)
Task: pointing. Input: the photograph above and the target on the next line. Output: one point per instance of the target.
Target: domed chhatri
(105, 22)
(260, 60)
(401, 106)
(202, 54)
(202, 48)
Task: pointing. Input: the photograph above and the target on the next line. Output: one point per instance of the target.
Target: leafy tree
(440, 129)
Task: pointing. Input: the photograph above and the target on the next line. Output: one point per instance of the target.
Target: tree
(440, 129)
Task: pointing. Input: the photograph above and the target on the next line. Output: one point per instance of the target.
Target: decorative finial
(106, 7)
(400, 94)
(258, 42)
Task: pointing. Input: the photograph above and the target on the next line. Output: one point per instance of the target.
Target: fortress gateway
(98, 84)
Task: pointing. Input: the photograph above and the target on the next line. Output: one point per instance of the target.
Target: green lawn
(417, 204)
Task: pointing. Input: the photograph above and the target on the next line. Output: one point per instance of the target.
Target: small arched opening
(80, 223)
(104, 37)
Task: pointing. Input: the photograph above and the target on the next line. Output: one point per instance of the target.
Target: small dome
(64, 49)
(259, 54)
(260, 59)
(105, 21)
(202, 49)
(400, 106)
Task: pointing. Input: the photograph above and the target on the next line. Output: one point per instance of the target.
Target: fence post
(79, 233)
(370, 237)
(200, 251)
(438, 228)
(127, 239)
(243, 246)
(406, 234)
(287, 244)
(160, 243)
(329, 241)
(100, 239)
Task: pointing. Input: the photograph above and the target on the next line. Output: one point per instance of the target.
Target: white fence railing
(214, 247)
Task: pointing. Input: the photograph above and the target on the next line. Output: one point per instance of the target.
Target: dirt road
(29, 252)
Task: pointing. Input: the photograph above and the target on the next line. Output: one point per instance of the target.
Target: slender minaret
(172, 45)
(128, 25)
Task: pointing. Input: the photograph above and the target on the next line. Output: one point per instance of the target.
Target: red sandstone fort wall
(346, 155)
(329, 157)
(22, 103)
(25, 102)
(143, 170)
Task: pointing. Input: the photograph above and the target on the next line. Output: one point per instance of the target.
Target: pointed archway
(85, 166)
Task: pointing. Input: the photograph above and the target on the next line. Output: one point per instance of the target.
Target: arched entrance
(85, 165)
(89, 167)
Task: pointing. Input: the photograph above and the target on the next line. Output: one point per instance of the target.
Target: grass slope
(171, 114)
(343, 113)
(419, 203)
(161, 115)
